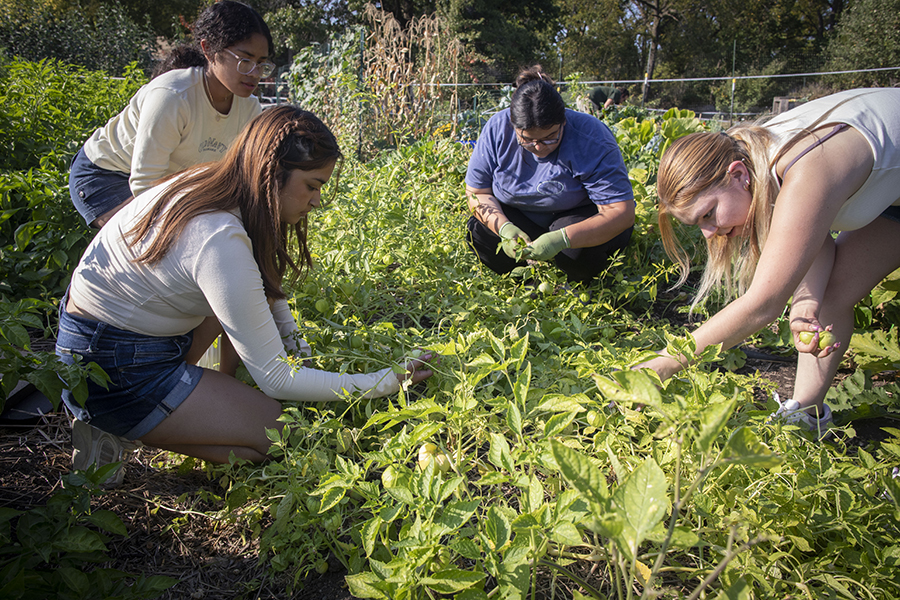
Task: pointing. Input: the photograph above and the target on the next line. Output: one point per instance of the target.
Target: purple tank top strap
(818, 142)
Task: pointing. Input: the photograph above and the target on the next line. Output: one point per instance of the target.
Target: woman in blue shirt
(547, 183)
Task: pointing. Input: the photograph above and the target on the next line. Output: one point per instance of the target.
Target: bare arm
(813, 192)
(486, 208)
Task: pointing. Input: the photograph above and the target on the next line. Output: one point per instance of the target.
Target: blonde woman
(767, 199)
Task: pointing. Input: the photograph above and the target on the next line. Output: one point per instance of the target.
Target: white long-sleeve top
(168, 126)
(209, 271)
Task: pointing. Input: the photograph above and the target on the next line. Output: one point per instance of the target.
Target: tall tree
(596, 39)
(868, 37)
(509, 34)
(656, 14)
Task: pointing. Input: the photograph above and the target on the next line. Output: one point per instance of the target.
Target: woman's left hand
(546, 246)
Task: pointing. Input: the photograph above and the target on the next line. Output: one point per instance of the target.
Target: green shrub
(105, 39)
(48, 109)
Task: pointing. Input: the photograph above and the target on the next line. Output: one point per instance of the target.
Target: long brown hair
(249, 177)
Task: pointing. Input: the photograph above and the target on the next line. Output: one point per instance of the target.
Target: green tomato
(389, 477)
(323, 306)
(344, 440)
(545, 288)
(595, 419)
(321, 566)
(356, 342)
(826, 338)
(429, 452)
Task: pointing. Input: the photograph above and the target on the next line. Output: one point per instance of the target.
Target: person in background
(204, 251)
(547, 183)
(189, 113)
(767, 199)
(605, 96)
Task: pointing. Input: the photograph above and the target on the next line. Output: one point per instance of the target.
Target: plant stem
(721, 566)
(584, 584)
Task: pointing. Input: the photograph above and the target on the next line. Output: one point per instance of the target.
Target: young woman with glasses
(198, 101)
(547, 183)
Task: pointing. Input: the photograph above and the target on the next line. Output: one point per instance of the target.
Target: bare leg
(105, 217)
(862, 259)
(221, 416)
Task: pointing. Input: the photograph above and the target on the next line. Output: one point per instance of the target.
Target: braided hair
(250, 178)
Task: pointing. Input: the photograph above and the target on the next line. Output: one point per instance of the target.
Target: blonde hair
(697, 163)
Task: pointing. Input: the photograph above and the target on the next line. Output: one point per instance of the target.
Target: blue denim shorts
(148, 375)
(892, 213)
(95, 191)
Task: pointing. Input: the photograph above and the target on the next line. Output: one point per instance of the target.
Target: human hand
(509, 240)
(811, 337)
(664, 365)
(418, 368)
(547, 246)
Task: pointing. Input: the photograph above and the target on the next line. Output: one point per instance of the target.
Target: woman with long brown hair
(767, 199)
(201, 253)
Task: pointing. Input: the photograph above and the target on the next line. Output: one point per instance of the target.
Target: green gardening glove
(509, 240)
(547, 246)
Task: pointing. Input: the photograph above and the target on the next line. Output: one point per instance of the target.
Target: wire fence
(711, 98)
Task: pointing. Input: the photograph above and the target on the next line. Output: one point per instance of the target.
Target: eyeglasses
(544, 142)
(245, 66)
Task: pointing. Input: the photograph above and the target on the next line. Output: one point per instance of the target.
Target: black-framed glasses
(245, 66)
(543, 142)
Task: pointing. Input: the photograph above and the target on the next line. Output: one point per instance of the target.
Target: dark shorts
(148, 375)
(892, 213)
(95, 191)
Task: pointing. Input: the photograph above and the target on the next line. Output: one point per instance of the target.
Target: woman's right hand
(809, 335)
(510, 236)
(418, 369)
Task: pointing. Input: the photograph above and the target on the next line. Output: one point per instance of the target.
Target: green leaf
(712, 421)
(369, 534)
(641, 502)
(514, 419)
(523, 384)
(557, 424)
(629, 386)
(363, 585)
(738, 590)
(580, 473)
(449, 581)
(499, 453)
(745, 447)
(457, 514)
(108, 521)
(566, 533)
(497, 529)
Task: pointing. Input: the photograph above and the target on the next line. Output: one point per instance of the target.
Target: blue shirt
(586, 167)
